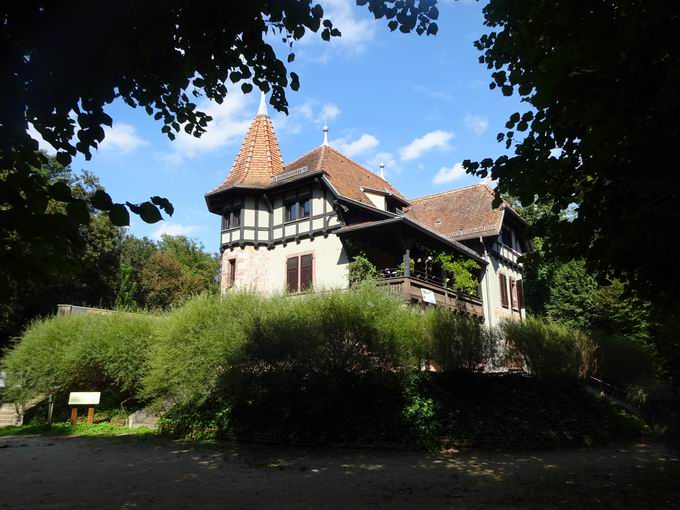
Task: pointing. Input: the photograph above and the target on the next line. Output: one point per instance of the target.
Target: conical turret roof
(259, 158)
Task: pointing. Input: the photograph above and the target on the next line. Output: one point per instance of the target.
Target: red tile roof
(461, 213)
(345, 175)
(259, 158)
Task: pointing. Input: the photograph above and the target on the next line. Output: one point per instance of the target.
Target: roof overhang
(236, 188)
(413, 225)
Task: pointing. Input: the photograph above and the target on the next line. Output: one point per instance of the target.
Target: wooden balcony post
(407, 262)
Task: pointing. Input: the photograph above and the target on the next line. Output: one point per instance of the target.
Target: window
(298, 209)
(291, 211)
(513, 293)
(299, 273)
(305, 272)
(292, 274)
(231, 218)
(304, 207)
(231, 272)
(520, 294)
(506, 237)
(504, 290)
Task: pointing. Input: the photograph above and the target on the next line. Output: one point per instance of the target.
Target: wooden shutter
(292, 274)
(306, 272)
(520, 294)
(513, 293)
(504, 290)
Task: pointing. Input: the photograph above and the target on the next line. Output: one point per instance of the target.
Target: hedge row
(326, 367)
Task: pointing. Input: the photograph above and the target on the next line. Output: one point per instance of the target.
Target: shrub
(549, 349)
(622, 361)
(91, 352)
(322, 367)
(460, 342)
(195, 343)
(360, 270)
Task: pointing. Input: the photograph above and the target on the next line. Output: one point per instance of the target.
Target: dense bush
(325, 366)
(622, 361)
(194, 344)
(549, 349)
(105, 353)
(516, 411)
(332, 367)
(461, 342)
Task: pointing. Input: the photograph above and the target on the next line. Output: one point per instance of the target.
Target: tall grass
(550, 350)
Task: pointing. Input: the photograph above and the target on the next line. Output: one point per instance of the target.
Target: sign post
(83, 398)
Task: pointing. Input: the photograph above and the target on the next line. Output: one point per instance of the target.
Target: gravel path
(131, 472)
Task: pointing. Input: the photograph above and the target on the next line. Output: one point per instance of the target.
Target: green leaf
(149, 213)
(246, 87)
(119, 215)
(294, 81)
(101, 200)
(164, 204)
(60, 191)
(78, 212)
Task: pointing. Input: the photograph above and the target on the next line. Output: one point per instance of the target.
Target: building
(296, 226)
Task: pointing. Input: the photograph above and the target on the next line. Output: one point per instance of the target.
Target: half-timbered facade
(295, 227)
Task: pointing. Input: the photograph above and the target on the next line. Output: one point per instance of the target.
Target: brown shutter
(520, 294)
(504, 290)
(292, 274)
(513, 293)
(306, 271)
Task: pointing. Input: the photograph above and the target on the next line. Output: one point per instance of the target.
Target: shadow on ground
(133, 472)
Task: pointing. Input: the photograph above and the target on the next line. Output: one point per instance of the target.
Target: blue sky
(421, 104)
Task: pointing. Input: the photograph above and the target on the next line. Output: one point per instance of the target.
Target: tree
(162, 281)
(134, 254)
(63, 63)
(600, 130)
(84, 272)
(199, 267)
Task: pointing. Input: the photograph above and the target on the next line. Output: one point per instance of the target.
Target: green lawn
(81, 429)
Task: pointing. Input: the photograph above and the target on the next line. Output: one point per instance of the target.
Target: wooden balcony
(411, 287)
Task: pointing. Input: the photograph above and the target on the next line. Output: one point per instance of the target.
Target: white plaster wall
(264, 271)
(494, 312)
(378, 200)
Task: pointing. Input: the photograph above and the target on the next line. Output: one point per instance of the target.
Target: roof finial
(382, 169)
(262, 110)
(325, 134)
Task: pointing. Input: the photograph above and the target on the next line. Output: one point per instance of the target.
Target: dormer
(385, 200)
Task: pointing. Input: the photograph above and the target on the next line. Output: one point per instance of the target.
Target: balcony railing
(411, 288)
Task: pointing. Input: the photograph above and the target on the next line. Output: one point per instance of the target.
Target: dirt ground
(131, 472)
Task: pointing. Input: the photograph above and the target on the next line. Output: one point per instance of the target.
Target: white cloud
(329, 112)
(42, 144)
(122, 138)
(433, 140)
(391, 164)
(476, 124)
(172, 229)
(229, 124)
(310, 111)
(356, 32)
(446, 175)
(355, 147)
